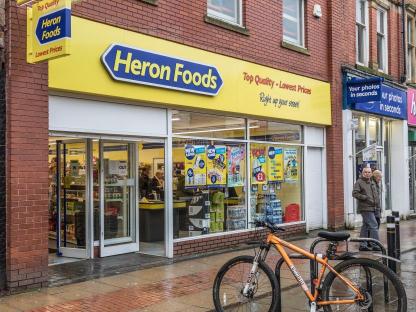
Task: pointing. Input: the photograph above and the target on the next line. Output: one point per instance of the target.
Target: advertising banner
(275, 164)
(235, 165)
(258, 164)
(364, 90)
(393, 103)
(129, 65)
(291, 164)
(217, 165)
(411, 106)
(195, 166)
(49, 30)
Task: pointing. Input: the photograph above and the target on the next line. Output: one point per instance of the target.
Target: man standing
(368, 199)
(377, 176)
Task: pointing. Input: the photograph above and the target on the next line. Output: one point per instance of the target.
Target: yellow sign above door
(247, 89)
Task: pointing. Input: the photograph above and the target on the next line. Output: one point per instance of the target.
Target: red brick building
(107, 140)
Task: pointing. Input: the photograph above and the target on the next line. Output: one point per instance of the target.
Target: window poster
(195, 165)
(275, 164)
(235, 165)
(258, 164)
(291, 164)
(217, 164)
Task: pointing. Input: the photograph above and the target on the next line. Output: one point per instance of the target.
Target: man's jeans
(370, 226)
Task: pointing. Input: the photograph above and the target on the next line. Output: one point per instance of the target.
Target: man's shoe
(365, 248)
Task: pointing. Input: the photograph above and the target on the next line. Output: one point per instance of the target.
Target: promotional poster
(217, 165)
(195, 165)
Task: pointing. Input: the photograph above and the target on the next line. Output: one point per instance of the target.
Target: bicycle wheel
(371, 277)
(231, 279)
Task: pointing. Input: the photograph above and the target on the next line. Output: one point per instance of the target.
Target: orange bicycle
(247, 283)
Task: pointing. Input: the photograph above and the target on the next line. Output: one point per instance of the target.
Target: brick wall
(203, 245)
(26, 159)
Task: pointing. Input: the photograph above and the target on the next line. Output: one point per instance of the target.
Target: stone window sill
(152, 2)
(226, 25)
(373, 71)
(295, 48)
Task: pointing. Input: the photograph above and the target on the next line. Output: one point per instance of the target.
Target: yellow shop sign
(136, 67)
(49, 30)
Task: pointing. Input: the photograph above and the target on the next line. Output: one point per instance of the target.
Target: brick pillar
(26, 158)
(341, 32)
(372, 31)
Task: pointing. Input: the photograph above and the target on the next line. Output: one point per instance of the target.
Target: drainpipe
(404, 77)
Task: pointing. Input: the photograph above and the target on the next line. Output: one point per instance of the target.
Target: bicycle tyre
(367, 264)
(249, 260)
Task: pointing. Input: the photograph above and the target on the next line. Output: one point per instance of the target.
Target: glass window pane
(226, 9)
(205, 125)
(291, 30)
(261, 130)
(293, 20)
(360, 11)
(380, 52)
(291, 8)
(210, 181)
(374, 130)
(118, 190)
(151, 175)
(360, 44)
(409, 31)
(276, 183)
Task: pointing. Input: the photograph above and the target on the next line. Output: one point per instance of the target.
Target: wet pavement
(179, 286)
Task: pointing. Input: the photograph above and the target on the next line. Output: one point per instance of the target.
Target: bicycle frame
(279, 244)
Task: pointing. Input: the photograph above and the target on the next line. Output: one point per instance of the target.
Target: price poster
(275, 164)
(195, 166)
(235, 165)
(258, 164)
(217, 165)
(291, 164)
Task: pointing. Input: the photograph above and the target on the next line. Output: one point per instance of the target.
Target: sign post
(49, 30)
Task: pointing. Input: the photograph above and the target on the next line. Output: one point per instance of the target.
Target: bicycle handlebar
(270, 226)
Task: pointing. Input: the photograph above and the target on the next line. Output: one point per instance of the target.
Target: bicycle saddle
(334, 236)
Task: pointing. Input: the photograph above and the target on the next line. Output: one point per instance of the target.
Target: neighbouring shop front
(374, 136)
(411, 121)
(155, 145)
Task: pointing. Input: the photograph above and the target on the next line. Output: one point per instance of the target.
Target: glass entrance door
(118, 200)
(68, 200)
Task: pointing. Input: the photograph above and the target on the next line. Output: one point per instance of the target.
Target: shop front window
(276, 183)
(209, 179)
(207, 126)
(270, 131)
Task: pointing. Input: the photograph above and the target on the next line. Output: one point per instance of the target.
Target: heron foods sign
(135, 65)
(49, 30)
(131, 66)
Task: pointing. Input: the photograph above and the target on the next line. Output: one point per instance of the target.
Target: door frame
(133, 244)
(81, 253)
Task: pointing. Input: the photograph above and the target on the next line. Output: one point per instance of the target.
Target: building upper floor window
(382, 39)
(411, 46)
(227, 10)
(293, 21)
(361, 20)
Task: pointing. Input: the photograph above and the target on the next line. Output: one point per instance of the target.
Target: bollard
(396, 216)
(391, 241)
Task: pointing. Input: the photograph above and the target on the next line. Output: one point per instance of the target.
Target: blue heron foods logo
(138, 66)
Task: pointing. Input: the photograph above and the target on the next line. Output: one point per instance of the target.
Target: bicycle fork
(259, 256)
(253, 272)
